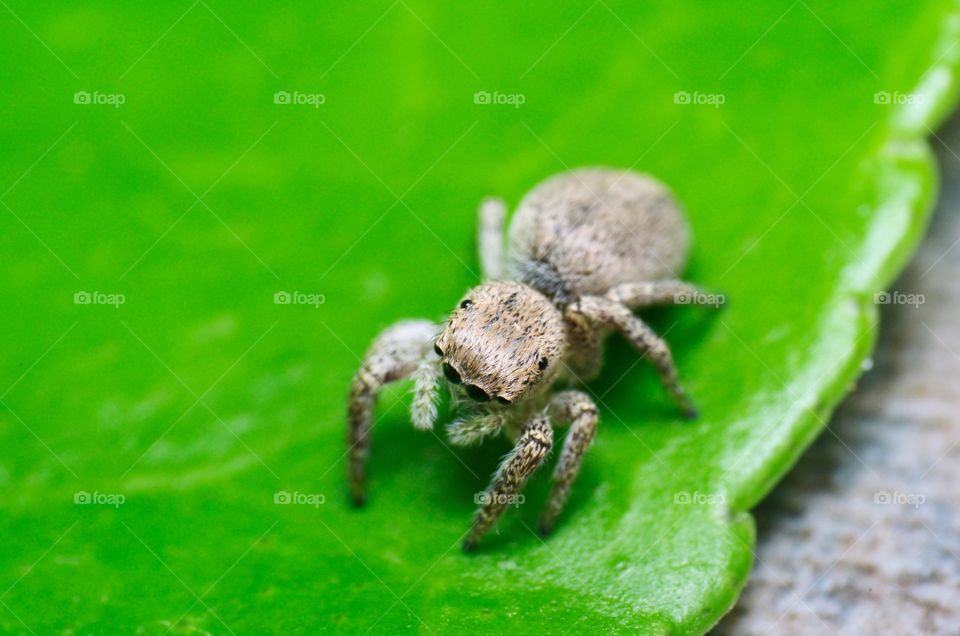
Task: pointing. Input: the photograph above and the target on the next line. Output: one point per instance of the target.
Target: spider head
(503, 341)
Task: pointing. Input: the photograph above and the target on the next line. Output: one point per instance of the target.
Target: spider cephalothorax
(586, 248)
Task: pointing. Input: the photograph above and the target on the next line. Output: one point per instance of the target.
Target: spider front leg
(660, 292)
(618, 316)
(493, 213)
(531, 450)
(577, 409)
(398, 352)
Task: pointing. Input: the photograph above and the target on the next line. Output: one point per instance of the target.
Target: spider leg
(618, 316)
(395, 354)
(426, 380)
(531, 450)
(659, 292)
(584, 360)
(577, 409)
(493, 213)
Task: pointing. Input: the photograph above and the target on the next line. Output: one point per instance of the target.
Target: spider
(585, 248)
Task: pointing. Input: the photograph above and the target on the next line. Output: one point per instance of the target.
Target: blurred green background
(203, 194)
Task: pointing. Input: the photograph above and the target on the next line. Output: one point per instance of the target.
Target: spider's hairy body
(585, 249)
(588, 231)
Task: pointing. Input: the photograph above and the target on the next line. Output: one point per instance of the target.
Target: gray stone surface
(863, 536)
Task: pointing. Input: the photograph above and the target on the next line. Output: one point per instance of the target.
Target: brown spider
(585, 249)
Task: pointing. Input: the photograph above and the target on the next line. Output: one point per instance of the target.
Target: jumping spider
(586, 248)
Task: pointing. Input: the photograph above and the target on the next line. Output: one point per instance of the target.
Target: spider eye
(502, 400)
(451, 374)
(466, 304)
(543, 364)
(437, 349)
(477, 393)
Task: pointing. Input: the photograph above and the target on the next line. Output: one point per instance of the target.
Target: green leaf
(184, 410)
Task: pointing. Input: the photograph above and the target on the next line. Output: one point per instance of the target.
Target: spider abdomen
(586, 231)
